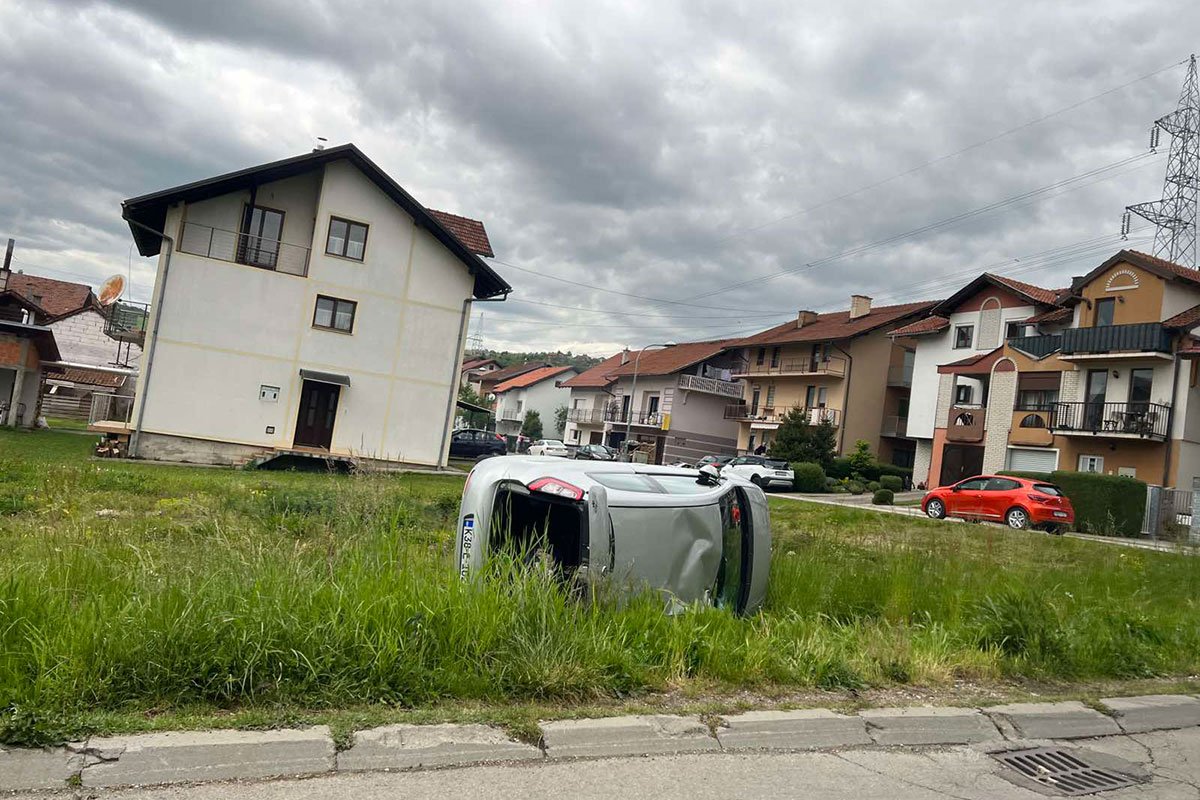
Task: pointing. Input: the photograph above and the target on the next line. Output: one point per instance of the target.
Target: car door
(964, 500)
(996, 497)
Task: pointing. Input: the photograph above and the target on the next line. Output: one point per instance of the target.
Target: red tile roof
(668, 360)
(530, 378)
(922, 326)
(512, 371)
(1184, 320)
(978, 364)
(468, 231)
(835, 325)
(1051, 315)
(91, 377)
(1047, 296)
(477, 362)
(1187, 273)
(598, 376)
(58, 298)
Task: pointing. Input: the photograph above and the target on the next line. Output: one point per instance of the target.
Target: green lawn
(138, 596)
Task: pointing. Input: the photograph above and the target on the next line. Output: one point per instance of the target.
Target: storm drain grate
(1063, 770)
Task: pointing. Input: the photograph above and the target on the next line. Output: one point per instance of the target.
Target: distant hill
(557, 358)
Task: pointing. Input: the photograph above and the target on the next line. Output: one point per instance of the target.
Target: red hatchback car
(1019, 502)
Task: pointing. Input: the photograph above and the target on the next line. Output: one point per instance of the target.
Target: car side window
(973, 485)
(1001, 485)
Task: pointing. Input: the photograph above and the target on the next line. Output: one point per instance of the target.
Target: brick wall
(1069, 389)
(81, 339)
(945, 398)
(1002, 396)
(921, 461)
(10, 350)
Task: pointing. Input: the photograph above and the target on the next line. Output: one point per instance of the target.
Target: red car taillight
(1041, 498)
(557, 488)
(500, 438)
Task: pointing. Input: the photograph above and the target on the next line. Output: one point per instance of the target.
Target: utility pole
(1175, 214)
(5, 270)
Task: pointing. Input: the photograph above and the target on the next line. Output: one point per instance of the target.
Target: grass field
(140, 596)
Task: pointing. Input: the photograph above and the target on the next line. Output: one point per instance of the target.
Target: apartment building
(841, 367)
(309, 306)
(1100, 377)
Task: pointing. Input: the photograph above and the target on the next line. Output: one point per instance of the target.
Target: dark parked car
(475, 443)
(595, 452)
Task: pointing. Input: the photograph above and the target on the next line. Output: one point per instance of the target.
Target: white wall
(228, 328)
(543, 397)
(81, 339)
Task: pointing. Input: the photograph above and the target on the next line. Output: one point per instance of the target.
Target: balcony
(1115, 420)
(1037, 346)
(511, 414)
(744, 413)
(695, 383)
(965, 424)
(900, 376)
(1031, 427)
(586, 416)
(126, 322)
(243, 248)
(896, 427)
(831, 367)
(111, 412)
(1143, 337)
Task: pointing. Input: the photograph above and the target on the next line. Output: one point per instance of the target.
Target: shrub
(1104, 504)
(874, 486)
(854, 487)
(808, 477)
(893, 482)
(883, 497)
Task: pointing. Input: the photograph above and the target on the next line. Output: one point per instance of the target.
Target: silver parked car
(696, 536)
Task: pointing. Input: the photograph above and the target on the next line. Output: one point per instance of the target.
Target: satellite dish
(110, 290)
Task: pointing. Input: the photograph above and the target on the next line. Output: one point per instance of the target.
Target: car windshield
(1048, 488)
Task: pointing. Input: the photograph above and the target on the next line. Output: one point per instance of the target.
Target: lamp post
(633, 394)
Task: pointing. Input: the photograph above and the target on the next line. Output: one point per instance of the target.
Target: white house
(537, 390)
(308, 306)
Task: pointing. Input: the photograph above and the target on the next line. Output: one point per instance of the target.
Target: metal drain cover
(1065, 772)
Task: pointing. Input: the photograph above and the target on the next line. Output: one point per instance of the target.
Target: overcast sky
(688, 151)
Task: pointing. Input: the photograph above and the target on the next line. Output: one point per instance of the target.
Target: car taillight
(1040, 498)
(500, 438)
(557, 488)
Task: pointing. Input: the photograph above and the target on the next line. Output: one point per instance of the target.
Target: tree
(474, 419)
(532, 426)
(560, 420)
(861, 459)
(799, 440)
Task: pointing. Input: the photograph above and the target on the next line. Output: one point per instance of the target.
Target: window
(754, 401)
(810, 396)
(822, 393)
(346, 239)
(771, 396)
(334, 314)
(258, 244)
(1001, 485)
(1091, 464)
(1140, 381)
(902, 408)
(973, 485)
(1104, 311)
(774, 357)
(1032, 421)
(1014, 330)
(962, 395)
(1127, 472)
(964, 335)
(762, 356)
(1036, 399)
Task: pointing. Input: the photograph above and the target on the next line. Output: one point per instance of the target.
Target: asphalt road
(963, 773)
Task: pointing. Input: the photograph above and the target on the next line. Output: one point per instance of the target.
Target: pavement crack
(904, 781)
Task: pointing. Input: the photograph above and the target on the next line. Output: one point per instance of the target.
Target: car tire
(935, 509)
(757, 481)
(1017, 518)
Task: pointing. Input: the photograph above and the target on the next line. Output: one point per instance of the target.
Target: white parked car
(695, 536)
(549, 447)
(761, 471)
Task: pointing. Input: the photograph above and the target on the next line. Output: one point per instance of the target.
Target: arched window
(1033, 421)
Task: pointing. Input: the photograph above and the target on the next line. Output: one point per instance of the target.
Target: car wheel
(936, 509)
(1017, 518)
(757, 481)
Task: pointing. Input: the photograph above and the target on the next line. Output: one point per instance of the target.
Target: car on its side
(1017, 502)
(595, 452)
(694, 536)
(477, 443)
(761, 471)
(549, 447)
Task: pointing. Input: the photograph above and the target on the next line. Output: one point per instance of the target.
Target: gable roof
(1036, 295)
(42, 337)
(150, 210)
(922, 327)
(835, 325)
(56, 298)
(530, 378)
(1168, 270)
(468, 231)
(511, 371)
(978, 364)
(476, 363)
(596, 377)
(668, 360)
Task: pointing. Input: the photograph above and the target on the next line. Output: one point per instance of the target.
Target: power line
(632, 313)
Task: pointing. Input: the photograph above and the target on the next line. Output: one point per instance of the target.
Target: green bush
(883, 497)
(808, 477)
(874, 486)
(854, 487)
(841, 468)
(1111, 505)
(893, 482)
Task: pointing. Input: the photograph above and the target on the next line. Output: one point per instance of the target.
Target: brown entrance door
(318, 408)
(960, 462)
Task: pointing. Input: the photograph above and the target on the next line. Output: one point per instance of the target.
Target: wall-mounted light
(1120, 298)
(1116, 374)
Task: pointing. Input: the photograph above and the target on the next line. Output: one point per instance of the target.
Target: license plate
(780, 474)
(1060, 513)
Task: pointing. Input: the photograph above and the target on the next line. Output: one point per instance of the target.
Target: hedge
(893, 482)
(808, 477)
(1111, 505)
(883, 497)
(841, 469)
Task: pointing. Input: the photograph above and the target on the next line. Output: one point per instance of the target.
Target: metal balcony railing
(696, 383)
(814, 416)
(244, 248)
(1145, 420)
(895, 426)
(1142, 337)
(1037, 346)
(965, 424)
(833, 366)
(126, 321)
(111, 409)
(586, 416)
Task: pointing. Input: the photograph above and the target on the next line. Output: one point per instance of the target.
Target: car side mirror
(709, 476)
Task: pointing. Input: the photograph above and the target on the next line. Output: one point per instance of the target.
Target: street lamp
(633, 394)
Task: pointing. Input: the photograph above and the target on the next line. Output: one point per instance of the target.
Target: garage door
(1028, 460)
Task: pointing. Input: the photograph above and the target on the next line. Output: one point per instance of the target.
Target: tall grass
(129, 587)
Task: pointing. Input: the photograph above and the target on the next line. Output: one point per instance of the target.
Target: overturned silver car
(694, 535)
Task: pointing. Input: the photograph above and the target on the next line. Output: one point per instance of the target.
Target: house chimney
(320, 145)
(805, 317)
(860, 306)
(4, 270)
(625, 356)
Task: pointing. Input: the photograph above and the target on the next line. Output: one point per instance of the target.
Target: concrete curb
(184, 757)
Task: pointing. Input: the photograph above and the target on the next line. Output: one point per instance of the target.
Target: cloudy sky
(701, 168)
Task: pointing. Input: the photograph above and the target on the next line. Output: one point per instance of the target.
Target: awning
(325, 377)
(974, 365)
(465, 406)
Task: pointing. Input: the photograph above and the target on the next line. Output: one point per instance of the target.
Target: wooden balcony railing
(965, 424)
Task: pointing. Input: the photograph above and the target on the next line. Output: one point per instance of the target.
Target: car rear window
(777, 464)
(1048, 488)
(651, 484)
(680, 484)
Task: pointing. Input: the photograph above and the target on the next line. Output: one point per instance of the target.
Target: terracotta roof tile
(598, 376)
(468, 231)
(477, 362)
(1184, 320)
(1051, 315)
(513, 370)
(91, 377)
(668, 360)
(1187, 273)
(530, 378)
(1047, 296)
(835, 325)
(922, 326)
(58, 298)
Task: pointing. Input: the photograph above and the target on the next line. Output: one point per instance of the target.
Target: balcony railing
(895, 426)
(586, 416)
(695, 383)
(1144, 420)
(126, 322)
(511, 414)
(244, 248)
(1037, 346)
(965, 424)
(833, 366)
(743, 412)
(900, 376)
(1143, 337)
(113, 410)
